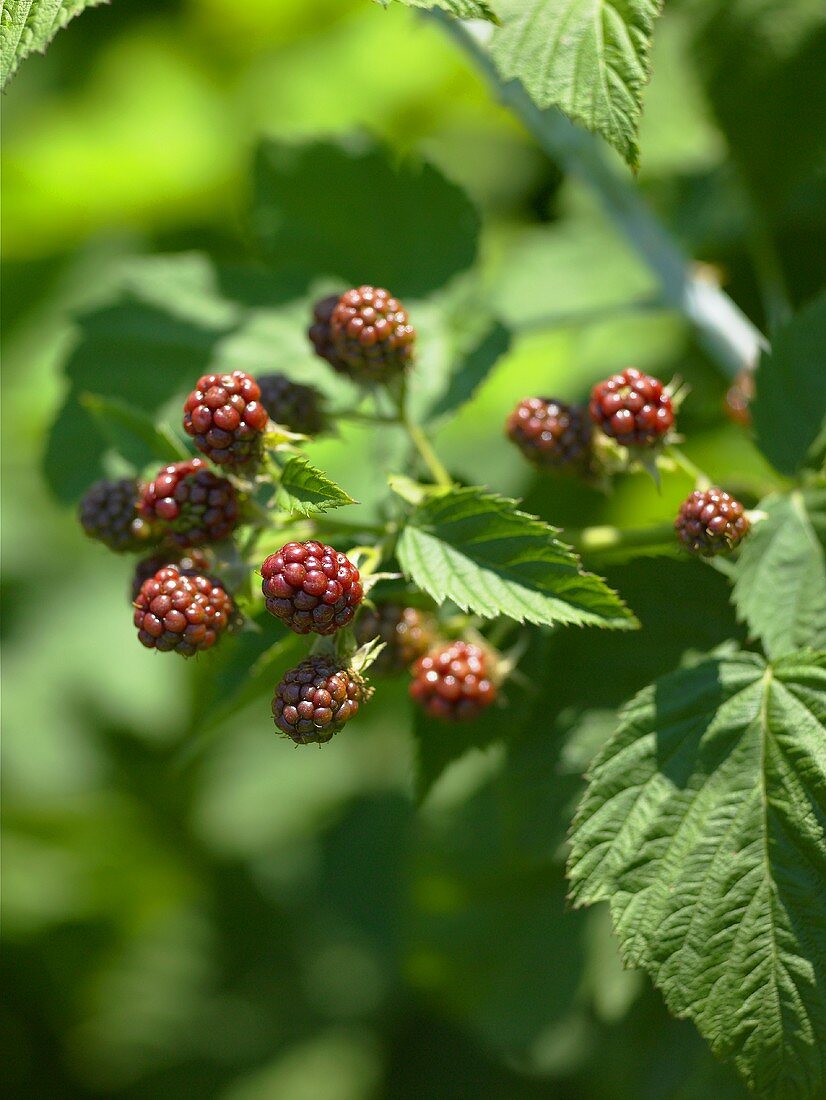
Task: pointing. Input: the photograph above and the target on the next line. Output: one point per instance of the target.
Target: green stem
(700, 477)
(727, 334)
(366, 418)
(594, 540)
(422, 444)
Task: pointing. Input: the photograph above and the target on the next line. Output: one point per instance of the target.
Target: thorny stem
(727, 334)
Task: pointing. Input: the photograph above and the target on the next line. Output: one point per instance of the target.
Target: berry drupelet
(633, 408)
(320, 335)
(311, 587)
(368, 334)
(407, 634)
(188, 561)
(181, 611)
(107, 513)
(552, 435)
(316, 699)
(299, 408)
(187, 504)
(711, 522)
(453, 682)
(225, 417)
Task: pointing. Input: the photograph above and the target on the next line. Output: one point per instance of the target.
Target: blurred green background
(245, 921)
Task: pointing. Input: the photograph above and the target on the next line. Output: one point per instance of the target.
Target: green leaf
(131, 432)
(780, 575)
(373, 231)
(590, 58)
(461, 9)
(28, 26)
(472, 371)
(790, 401)
(481, 552)
(306, 490)
(704, 825)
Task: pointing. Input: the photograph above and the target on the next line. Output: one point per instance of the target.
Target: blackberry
(552, 435)
(711, 522)
(633, 408)
(739, 397)
(188, 561)
(182, 611)
(370, 335)
(107, 513)
(311, 587)
(319, 332)
(316, 699)
(406, 631)
(453, 682)
(225, 417)
(297, 407)
(189, 505)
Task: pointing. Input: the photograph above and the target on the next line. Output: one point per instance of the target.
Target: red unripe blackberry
(188, 561)
(316, 699)
(189, 505)
(311, 587)
(633, 408)
(454, 682)
(552, 435)
(184, 612)
(406, 631)
(370, 335)
(107, 513)
(225, 417)
(711, 522)
(320, 335)
(299, 408)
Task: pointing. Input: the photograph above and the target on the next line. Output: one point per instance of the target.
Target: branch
(722, 328)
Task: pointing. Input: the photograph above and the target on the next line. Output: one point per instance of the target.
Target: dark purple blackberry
(552, 435)
(711, 522)
(299, 408)
(311, 587)
(316, 699)
(407, 634)
(107, 513)
(187, 504)
(633, 408)
(454, 682)
(225, 417)
(184, 612)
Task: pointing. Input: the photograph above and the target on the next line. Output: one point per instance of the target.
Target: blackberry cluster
(225, 417)
(552, 435)
(189, 505)
(316, 699)
(407, 634)
(296, 407)
(366, 333)
(453, 682)
(188, 561)
(633, 408)
(711, 522)
(107, 513)
(181, 611)
(311, 587)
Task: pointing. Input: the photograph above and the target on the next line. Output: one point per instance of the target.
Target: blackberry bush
(711, 522)
(226, 419)
(188, 505)
(180, 611)
(108, 513)
(315, 700)
(454, 682)
(311, 587)
(633, 408)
